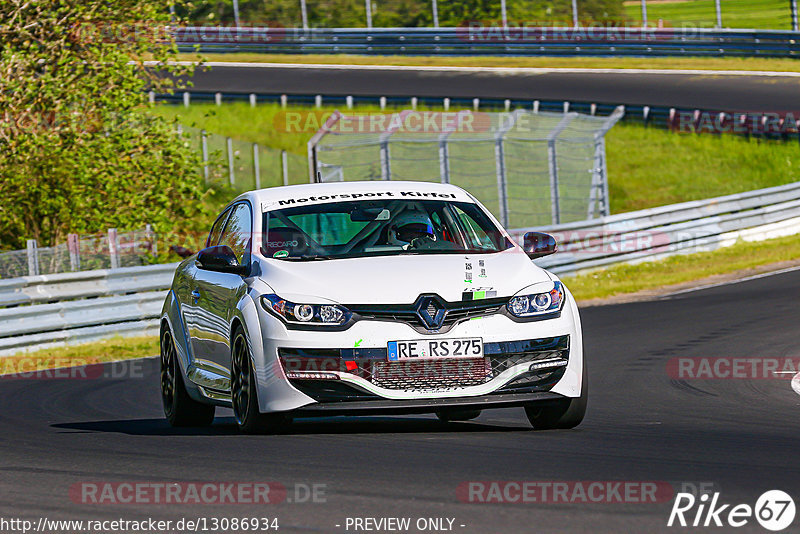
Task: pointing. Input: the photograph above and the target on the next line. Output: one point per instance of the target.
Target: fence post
(719, 14)
(304, 14)
(285, 167)
(74, 247)
(574, 13)
(502, 187)
(444, 160)
(33, 257)
(644, 13)
(435, 10)
(794, 15)
(204, 145)
(230, 160)
(256, 167)
(386, 167)
(151, 238)
(113, 248)
(368, 5)
(500, 165)
(552, 166)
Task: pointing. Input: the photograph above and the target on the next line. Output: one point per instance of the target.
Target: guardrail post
(113, 248)
(252, 100)
(186, 98)
(204, 146)
(218, 99)
(285, 167)
(74, 247)
(230, 160)
(33, 257)
(256, 166)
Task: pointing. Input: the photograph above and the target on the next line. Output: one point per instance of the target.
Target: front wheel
(244, 397)
(179, 408)
(566, 413)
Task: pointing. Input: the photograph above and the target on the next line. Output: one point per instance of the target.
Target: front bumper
(353, 391)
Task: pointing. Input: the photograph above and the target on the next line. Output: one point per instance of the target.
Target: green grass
(647, 166)
(759, 14)
(108, 350)
(751, 64)
(677, 269)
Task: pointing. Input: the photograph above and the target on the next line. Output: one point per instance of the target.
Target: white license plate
(420, 349)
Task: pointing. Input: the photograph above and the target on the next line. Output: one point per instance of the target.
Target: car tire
(564, 414)
(244, 393)
(448, 416)
(179, 408)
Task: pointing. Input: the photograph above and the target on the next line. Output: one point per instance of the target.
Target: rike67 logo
(774, 510)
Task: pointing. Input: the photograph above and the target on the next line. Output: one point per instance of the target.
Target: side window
(238, 232)
(216, 230)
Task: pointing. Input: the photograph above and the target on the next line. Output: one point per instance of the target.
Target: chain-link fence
(529, 168)
(244, 165)
(81, 253)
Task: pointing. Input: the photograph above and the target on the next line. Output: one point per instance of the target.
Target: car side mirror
(538, 244)
(220, 259)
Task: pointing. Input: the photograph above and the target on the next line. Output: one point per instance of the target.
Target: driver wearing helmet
(410, 226)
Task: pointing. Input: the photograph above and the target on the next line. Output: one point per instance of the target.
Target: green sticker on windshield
(281, 254)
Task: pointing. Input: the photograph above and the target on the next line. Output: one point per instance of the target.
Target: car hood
(401, 279)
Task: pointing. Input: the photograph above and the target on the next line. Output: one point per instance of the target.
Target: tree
(77, 151)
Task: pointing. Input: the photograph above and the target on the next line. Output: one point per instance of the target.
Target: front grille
(372, 365)
(455, 312)
(431, 374)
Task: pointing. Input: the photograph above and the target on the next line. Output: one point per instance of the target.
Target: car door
(215, 295)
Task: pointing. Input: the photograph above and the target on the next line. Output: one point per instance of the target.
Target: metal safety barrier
(478, 39)
(42, 311)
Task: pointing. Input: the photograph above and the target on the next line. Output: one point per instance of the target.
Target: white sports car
(368, 298)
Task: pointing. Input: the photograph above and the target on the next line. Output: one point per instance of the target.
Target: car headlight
(311, 314)
(537, 303)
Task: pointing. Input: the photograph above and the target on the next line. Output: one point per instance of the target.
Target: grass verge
(678, 63)
(626, 279)
(107, 350)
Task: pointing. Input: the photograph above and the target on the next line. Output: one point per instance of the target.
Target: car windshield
(379, 228)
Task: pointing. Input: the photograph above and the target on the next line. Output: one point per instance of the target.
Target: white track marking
(495, 70)
(731, 282)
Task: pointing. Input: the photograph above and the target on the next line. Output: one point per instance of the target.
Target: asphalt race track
(739, 435)
(692, 91)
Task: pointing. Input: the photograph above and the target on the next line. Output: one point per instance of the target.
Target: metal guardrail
(492, 40)
(41, 311)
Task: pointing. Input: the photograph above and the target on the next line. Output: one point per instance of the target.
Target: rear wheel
(566, 413)
(179, 408)
(447, 416)
(244, 396)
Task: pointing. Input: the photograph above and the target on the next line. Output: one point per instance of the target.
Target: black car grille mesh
(430, 374)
